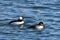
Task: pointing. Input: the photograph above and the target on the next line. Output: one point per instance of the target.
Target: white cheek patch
(21, 18)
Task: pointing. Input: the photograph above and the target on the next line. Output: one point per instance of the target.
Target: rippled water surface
(33, 12)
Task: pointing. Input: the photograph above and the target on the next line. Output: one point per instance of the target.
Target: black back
(32, 27)
(15, 21)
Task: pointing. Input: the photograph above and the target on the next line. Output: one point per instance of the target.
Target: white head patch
(21, 17)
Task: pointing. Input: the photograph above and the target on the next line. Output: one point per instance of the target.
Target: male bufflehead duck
(39, 26)
(18, 22)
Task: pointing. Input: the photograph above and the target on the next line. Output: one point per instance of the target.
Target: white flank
(18, 23)
(39, 27)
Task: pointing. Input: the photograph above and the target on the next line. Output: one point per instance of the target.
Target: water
(33, 12)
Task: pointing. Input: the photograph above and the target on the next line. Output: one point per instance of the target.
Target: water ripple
(33, 12)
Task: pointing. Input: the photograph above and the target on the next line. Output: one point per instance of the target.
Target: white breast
(18, 23)
(39, 27)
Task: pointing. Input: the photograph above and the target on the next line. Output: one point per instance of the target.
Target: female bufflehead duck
(39, 26)
(18, 22)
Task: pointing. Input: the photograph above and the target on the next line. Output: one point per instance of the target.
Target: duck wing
(13, 21)
(32, 27)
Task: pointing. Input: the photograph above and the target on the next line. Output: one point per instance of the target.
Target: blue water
(33, 12)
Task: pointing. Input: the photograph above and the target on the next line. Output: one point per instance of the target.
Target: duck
(19, 21)
(39, 26)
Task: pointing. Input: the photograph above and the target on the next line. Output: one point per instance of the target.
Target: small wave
(44, 7)
(8, 33)
(52, 4)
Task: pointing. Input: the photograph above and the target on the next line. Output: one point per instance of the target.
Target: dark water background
(33, 12)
